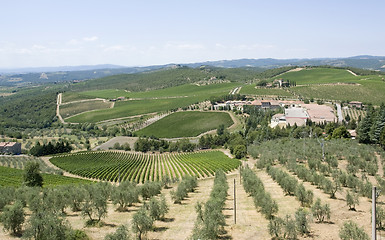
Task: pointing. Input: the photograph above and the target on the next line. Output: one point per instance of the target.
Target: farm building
(355, 104)
(294, 115)
(265, 104)
(320, 113)
(10, 148)
(238, 105)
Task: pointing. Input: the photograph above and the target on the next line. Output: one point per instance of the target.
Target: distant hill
(27, 76)
(364, 61)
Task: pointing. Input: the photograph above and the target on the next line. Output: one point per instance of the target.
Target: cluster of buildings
(299, 114)
(10, 148)
(296, 112)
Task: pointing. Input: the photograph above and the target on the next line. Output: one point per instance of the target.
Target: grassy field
(133, 108)
(73, 96)
(183, 90)
(151, 101)
(14, 177)
(336, 84)
(370, 91)
(320, 76)
(251, 90)
(71, 109)
(186, 124)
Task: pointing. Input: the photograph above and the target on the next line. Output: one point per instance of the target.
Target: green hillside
(189, 90)
(152, 101)
(186, 124)
(337, 84)
(320, 76)
(166, 78)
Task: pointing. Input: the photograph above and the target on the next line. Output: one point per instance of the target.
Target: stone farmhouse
(10, 148)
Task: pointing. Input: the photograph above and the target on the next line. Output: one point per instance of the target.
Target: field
(140, 167)
(189, 90)
(14, 177)
(132, 108)
(353, 113)
(320, 76)
(336, 84)
(251, 90)
(186, 124)
(150, 101)
(73, 96)
(71, 109)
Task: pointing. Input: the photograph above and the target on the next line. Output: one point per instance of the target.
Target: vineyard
(353, 113)
(141, 167)
(14, 177)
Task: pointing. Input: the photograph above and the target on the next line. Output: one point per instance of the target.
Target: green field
(370, 90)
(14, 177)
(73, 96)
(320, 76)
(189, 90)
(337, 84)
(170, 98)
(133, 108)
(251, 90)
(141, 167)
(186, 124)
(71, 109)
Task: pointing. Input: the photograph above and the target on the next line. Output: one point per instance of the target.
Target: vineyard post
(235, 206)
(374, 196)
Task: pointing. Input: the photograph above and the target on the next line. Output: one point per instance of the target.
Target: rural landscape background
(212, 120)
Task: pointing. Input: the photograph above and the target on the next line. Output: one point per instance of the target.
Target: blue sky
(136, 33)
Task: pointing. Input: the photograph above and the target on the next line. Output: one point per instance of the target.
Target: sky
(37, 33)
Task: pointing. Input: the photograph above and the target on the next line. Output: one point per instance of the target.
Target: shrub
(121, 233)
(351, 231)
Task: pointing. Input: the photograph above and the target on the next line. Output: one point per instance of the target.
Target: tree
(13, 217)
(351, 231)
(141, 222)
(125, 195)
(320, 212)
(32, 176)
(121, 233)
(240, 151)
(301, 220)
(305, 197)
(94, 205)
(352, 200)
(46, 225)
(276, 228)
(221, 129)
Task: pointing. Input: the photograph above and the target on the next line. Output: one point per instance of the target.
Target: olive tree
(13, 217)
(32, 176)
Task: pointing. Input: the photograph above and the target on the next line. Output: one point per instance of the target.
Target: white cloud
(90, 39)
